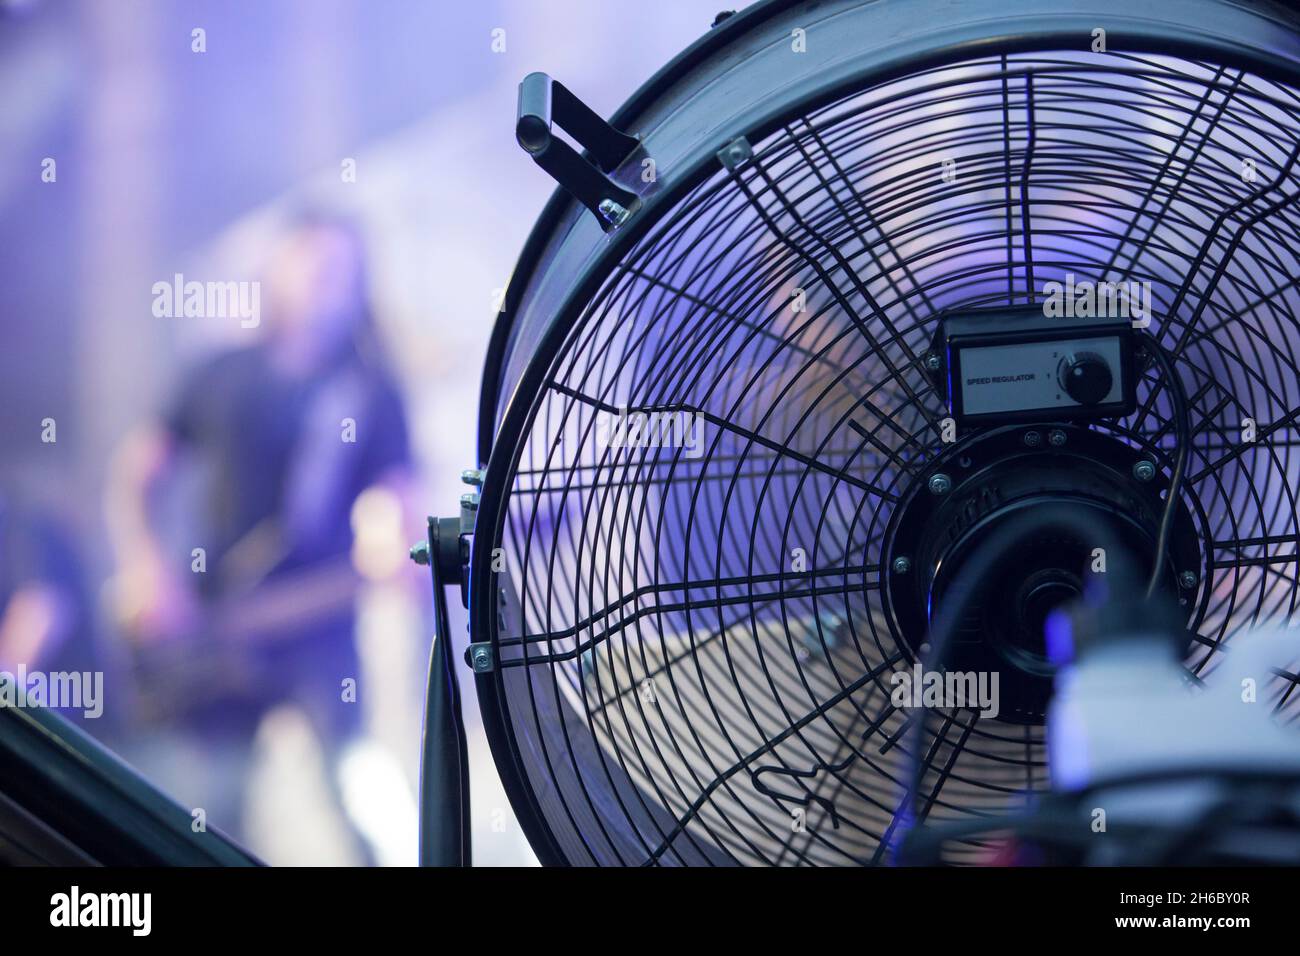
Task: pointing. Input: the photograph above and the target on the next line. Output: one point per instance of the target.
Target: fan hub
(996, 478)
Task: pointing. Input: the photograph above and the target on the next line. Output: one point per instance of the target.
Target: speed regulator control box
(1017, 364)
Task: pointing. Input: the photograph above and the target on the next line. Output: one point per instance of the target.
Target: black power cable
(1121, 593)
(1183, 434)
(1247, 793)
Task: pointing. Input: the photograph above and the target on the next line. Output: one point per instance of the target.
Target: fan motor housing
(996, 477)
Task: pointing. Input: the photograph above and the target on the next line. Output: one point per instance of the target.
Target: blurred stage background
(168, 160)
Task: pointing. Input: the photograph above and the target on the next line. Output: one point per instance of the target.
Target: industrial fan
(869, 341)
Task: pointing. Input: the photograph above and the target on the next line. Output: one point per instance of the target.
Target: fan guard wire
(695, 647)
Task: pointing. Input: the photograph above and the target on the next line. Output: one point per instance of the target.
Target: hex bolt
(1056, 438)
(902, 565)
(472, 476)
(735, 154)
(1033, 439)
(1144, 470)
(939, 484)
(420, 553)
(613, 212)
(738, 152)
(469, 500)
(1188, 579)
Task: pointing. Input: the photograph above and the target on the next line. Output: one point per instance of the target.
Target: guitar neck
(283, 604)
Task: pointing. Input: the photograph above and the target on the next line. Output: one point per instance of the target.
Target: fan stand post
(444, 763)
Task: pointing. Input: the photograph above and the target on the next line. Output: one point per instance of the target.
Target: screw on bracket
(479, 657)
(902, 564)
(614, 214)
(1144, 470)
(420, 553)
(939, 484)
(736, 153)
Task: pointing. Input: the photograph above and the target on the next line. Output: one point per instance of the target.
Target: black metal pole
(444, 765)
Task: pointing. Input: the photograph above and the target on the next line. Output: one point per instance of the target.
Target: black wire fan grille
(695, 654)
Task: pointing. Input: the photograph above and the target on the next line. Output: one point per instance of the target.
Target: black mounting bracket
(444, 766)
(542, 102)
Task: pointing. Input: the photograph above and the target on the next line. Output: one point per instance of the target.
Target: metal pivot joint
(444, 765)
(543, 103)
